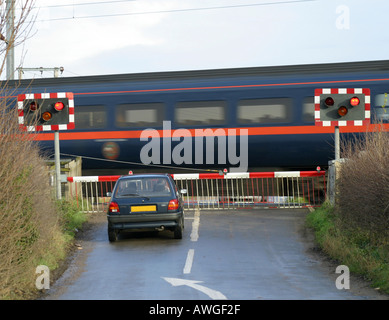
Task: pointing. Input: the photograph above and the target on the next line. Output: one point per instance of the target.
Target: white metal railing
(294, 189)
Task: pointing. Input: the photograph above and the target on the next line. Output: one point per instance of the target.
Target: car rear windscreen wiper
(133, 195)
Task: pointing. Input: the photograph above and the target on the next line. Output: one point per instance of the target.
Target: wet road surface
(235, 254)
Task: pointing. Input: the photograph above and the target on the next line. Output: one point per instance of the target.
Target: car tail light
(113, 207)
(173, 205)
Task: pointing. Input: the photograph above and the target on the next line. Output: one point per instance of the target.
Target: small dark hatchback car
(145, 202)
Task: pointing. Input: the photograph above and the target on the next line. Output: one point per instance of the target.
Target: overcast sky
(94, 37)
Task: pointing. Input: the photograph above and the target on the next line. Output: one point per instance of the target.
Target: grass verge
(70, 221)
(352, 248)
(49, 251)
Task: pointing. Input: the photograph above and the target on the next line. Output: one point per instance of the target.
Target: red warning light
(354, 101)
(33, 106)
(59, 106)
(329, 102)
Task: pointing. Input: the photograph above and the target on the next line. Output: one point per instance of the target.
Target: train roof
(324, 68)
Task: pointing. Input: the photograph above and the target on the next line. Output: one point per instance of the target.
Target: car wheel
(179, 229)
(112, 234)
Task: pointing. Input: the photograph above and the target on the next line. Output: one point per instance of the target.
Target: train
(247, 119)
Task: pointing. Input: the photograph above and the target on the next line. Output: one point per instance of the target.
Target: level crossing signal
(342, 107)
(46, 111)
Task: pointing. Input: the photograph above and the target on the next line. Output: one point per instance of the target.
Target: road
(236, 254)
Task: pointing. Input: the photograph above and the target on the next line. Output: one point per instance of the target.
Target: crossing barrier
(293, 189)
(283, 189)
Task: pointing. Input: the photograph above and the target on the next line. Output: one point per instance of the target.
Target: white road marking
(189, 261)
(213, 294)
(194, 236)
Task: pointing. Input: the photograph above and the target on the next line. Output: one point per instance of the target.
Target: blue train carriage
(273, 107)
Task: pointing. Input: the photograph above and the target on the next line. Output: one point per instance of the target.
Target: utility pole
(57, 160)
(10, 36)
(337, 143)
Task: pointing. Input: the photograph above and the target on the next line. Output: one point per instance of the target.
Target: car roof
(144, 175)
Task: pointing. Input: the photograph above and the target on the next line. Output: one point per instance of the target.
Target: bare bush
(363, 187)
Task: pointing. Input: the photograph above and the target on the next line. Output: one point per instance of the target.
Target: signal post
(340, 108)
(48, 112)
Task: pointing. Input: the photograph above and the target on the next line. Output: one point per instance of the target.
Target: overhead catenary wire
(84, 4)
(175, 10)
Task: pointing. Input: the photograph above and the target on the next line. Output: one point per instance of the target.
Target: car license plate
(143, 208)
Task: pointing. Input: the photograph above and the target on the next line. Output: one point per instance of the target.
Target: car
(143, 202)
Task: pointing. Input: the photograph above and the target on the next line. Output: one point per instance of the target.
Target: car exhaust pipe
(161, 228)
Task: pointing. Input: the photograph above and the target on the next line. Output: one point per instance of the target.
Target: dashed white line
(189, 261)
(194, 236)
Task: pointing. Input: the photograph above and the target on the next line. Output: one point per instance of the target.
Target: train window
(139, 114)
(191, 113)
(382, 114)
(90, 117)
(381, 110)
(265, 110)
(308, 110)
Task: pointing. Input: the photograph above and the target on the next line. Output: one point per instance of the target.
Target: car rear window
(143, 187)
